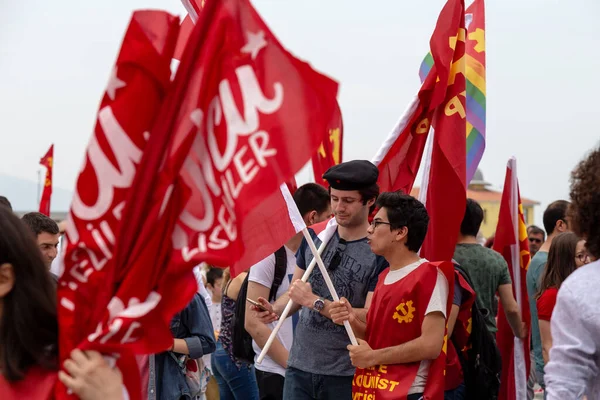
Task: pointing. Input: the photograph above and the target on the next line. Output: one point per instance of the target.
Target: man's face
(379, 235)
(535, 242)
(217, 289)
(48, 244)
(348, 207)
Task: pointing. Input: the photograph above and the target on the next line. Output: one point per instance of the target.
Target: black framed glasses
(337, 257)
(376, 223)
(535, 240)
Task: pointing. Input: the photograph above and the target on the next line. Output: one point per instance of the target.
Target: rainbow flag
(475, 70)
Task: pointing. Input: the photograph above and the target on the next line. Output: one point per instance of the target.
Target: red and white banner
(194, 176)
(511, 242)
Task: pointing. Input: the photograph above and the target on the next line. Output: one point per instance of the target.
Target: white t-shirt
(263, 273)
(437, 302)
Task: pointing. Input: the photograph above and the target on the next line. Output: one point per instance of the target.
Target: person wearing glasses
(566, 254)
(401, 355)
(319, 365)
(555, 223)
(536, 237)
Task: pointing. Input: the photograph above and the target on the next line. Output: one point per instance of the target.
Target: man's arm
(511, 310)
(425, 347)
(259, 331)
(546, 337)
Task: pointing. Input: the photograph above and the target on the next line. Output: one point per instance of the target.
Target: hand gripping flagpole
(316, 260)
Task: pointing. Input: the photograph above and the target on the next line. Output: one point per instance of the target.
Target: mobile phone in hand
(256, 304)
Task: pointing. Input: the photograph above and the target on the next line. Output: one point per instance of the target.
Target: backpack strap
(280, 270)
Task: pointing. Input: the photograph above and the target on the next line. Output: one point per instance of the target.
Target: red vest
(395, 317)
(37, 384)
(460, 335)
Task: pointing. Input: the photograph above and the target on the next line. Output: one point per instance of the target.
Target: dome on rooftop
(478, 182)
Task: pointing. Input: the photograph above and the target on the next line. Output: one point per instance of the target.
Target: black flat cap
(352, 175)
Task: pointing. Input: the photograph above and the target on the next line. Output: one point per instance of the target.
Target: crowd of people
(414, 319)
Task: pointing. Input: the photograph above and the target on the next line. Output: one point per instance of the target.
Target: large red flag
(330, 150)
(400, 156)
(194, 8)
(48, 162)
(239, 121)
(445, 193)
(511, 242)
(136, 88)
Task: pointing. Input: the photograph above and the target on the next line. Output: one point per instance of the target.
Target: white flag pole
(289, 304)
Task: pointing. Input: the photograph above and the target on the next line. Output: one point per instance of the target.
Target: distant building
(479, 190)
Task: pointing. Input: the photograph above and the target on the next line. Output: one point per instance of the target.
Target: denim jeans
(234, 383)
(300, 385)
(456, 394)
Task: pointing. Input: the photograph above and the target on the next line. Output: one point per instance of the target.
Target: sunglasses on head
(337, 257)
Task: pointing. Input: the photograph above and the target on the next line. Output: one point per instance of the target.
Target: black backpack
(241, 339)
(482, 367)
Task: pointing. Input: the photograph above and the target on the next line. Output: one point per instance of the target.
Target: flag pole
(288, 306)
(39, 196)
(328, 281)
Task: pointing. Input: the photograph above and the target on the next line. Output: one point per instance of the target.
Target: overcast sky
(542, 68)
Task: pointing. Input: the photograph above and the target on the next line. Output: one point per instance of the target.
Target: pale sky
(542, 69)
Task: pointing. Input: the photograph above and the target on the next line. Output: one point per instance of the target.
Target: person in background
(314, 205)
(567, 253)
(488, 271)
(236, 379)
(46, 233)
(214, 281)
(574, 366)
(29, 328)
(536, 237)
(555, 222)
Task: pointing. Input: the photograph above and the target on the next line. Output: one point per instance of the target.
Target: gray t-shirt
(320, 345)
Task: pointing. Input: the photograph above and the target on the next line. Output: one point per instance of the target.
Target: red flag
(240, 156)
(86, 290)
(511, 242)
(330, 150)
(48, 162)
(445, 190)
(400, 156)
(237, 123)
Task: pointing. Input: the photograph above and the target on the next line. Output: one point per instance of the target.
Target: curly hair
(584, 211)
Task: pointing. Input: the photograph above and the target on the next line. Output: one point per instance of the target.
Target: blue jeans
(234, 383)
(456, 394)
(300, 385)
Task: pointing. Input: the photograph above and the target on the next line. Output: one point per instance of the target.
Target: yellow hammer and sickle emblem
(404, 312)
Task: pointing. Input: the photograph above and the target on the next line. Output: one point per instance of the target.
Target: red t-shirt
(37, 384)
(545, 304)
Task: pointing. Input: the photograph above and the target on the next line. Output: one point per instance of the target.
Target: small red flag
(48, 162)
(330, 150)
(511, 242)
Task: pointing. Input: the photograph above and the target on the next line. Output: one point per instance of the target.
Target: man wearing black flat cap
(319, 365)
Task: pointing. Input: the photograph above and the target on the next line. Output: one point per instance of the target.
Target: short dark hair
(406, 211)
(311, 196)
(584, 212)
(555, 212)
(472, 220)
(4, 202)
(39, 223)
(536, 230)
(28, 325)
(212, 275)
(368, 193)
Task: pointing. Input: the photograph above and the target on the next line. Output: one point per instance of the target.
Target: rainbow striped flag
(475, 70)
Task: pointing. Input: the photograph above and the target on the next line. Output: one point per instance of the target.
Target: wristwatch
(319, 304)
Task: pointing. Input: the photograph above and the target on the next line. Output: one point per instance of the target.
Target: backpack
(482, 366)
(241, 339)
